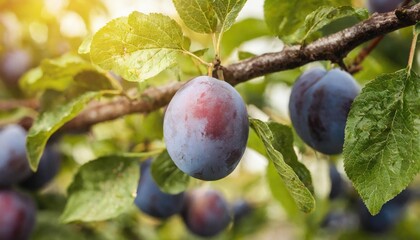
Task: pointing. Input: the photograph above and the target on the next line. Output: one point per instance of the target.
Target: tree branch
(333, 47)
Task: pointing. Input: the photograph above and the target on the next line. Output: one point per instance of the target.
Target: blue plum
(382, 6)
(206, 128)
(14, 166)
(17, 215)
(338, 185)
(387, 218)
(49, 166)
(206, 212)
(13, 64)
(319, 105)
(151, 200)
(241, 209)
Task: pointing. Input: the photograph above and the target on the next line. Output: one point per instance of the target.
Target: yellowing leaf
(138, 47)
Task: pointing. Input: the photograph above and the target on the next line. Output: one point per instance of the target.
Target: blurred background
(34, 30)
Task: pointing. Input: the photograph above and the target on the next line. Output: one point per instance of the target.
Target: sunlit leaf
(227, 11)
(139, 46)
(198, 15)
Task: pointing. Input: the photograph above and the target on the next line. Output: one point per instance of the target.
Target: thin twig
(357, 62)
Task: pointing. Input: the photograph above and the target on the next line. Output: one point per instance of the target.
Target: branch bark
(333, 48)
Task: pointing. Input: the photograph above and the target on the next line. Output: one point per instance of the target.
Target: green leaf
(49, 122)
(227, 11)
(65, 72)
(48, 228)
(198, 15)
(295, 175)
(280, 193)
(382, 144)
(139, 46)
(242, 55)
(322, 17)
(283, 142)
(417, 29)
(168, 176)
(84, 48)
(285, 17)
(102, 189)
(56, 74)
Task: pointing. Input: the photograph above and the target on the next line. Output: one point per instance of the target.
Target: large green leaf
(227, 11)
(139, 46)
(102, 189)
(294, 174)
(49, 122)
(382, 145)
(198, 15)
(322, 17)
(168, 176)
(286, 17)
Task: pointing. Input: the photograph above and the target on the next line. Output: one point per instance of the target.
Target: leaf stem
(112, 92)
(197, 58)
(412, 51)
(219, 42)
(113, 80)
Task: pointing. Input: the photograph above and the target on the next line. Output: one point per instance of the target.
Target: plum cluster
(382, 6)
(319, 104)
(205, 212)
(206, 128)
(18, 210)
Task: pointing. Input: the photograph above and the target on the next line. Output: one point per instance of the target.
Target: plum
(206, 128)
(382, 6)
(241, 209)
(49, 166)
(338, 184)
(151, 200)
(17, 215)
(13, 64)
(319, 104)
(206, 212)
(14, 166)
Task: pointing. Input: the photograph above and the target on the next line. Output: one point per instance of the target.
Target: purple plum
(319, 104)
(151, 200)
(49, 166)
(382, 6)
(14, 166)
(206, 128)
(17, 215)
(206, 212)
